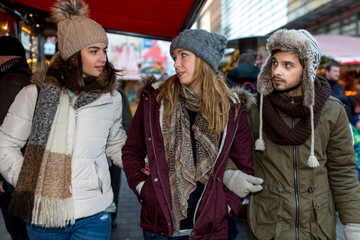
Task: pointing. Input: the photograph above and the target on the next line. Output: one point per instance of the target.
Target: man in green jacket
(303, 148)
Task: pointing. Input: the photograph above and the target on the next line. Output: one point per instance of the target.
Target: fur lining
(247, 98)
(38, 77)
(143, 82)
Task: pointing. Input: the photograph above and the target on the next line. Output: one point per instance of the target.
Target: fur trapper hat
(301, 44)
(208, 46)
(305, 47)
(75, 29)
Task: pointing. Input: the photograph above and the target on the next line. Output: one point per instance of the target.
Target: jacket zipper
(96, 165)
(157, 166)
(197, 205)
(72, 151)
(100, 184)
(296, 184)
(76, 116)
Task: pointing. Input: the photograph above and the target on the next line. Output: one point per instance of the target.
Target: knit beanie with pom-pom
(75, 29)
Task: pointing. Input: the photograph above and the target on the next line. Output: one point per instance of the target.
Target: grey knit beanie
(208, 46)
(305, 47)
(75, 30)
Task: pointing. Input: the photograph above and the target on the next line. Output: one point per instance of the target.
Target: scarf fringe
(53, 212)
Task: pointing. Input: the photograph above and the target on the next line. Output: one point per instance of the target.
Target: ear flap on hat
(264, 84)
(307, 84)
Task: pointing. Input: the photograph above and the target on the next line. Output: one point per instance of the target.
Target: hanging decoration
(231, 61)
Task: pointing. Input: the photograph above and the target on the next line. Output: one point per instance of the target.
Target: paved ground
(128, 216)
(128, 219)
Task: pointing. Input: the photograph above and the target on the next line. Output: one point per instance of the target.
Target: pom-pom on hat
(208, 46)
(10, 46)
(75, 29)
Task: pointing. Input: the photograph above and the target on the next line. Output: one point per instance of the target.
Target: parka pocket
(325, 218)
(145, 188)
(151, 213)
(264, 212)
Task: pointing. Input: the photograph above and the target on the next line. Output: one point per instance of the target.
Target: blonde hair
(214, 94)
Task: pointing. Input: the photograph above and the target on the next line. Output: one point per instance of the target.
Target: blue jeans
(149, 235)
(97, 227)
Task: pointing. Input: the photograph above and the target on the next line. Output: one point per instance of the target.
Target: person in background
(71, 126)
(303, 149)
(14, 75)
(183, 132)
(356, 131)
(356, 99)
(332, 74)
(245, 74)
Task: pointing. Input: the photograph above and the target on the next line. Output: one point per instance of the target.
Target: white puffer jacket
(95, 131)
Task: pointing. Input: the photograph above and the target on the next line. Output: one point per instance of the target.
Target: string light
(4, 27)
(26, 30)
(232, 60)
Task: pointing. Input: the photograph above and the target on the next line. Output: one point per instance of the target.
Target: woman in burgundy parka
(183, 133)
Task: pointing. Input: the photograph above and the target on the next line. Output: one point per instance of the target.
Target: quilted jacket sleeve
(15, 131)
(117, 136)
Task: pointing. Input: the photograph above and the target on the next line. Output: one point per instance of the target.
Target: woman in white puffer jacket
(70, 123)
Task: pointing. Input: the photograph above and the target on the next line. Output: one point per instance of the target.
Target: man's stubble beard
(288, 89)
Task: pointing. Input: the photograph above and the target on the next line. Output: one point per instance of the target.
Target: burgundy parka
(145, 139)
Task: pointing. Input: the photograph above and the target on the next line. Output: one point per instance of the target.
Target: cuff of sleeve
(139, 186)
(234, 202)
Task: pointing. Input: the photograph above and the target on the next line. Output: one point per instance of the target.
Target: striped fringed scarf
(43, 193)
(183, 173)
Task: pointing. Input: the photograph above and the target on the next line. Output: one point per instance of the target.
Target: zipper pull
(292, 101)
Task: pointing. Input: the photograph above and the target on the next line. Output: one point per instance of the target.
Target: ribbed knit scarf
(8, 64)
(43, 193)
(183, 173)
(275, 127)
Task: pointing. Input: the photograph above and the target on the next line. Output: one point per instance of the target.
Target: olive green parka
(298, 202)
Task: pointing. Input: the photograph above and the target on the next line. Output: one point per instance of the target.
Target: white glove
(241, 183)
(352, 231)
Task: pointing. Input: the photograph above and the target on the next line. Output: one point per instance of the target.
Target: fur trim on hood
(246, 98)
(144, 81)
(38, 77)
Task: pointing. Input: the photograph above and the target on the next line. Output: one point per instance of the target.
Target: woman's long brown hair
(70, 72)
(214, 94)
